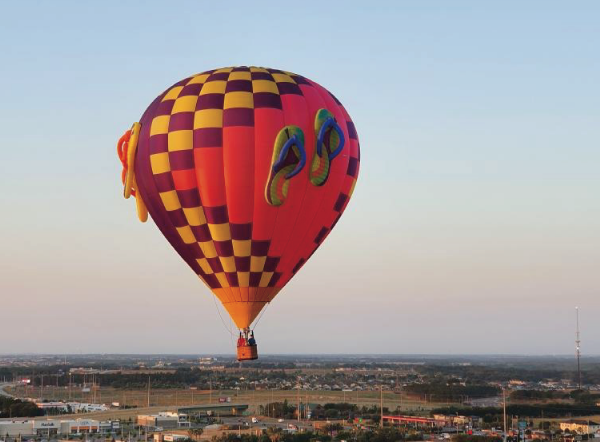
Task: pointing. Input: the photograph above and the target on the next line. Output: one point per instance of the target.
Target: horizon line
(449, 355)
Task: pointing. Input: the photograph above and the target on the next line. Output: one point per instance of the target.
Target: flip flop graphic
(289, 157)
(330, 142)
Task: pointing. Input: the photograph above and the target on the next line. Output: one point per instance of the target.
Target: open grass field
(254, 398)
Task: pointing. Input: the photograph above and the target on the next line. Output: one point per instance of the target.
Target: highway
(264, 422)
(3, 386)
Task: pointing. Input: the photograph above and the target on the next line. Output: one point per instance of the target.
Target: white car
(280, 420)
(254, 420)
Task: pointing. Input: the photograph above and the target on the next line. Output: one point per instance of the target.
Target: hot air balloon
(245, 171)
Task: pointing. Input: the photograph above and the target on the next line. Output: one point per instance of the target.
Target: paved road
(487, 402)
(4, 393)
(264, 423)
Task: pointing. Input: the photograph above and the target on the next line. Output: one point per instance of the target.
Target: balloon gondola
(245, 171)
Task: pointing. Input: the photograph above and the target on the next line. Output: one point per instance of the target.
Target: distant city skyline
(473, 228)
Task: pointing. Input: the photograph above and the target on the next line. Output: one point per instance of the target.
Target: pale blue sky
(474, 227)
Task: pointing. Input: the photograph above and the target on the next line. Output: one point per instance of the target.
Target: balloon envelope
(245, 171)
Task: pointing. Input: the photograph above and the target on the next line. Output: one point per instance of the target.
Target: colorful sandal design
(330, 142)
(289, 157)
(126, 149)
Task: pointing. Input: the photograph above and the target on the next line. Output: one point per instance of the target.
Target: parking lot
(263, 423)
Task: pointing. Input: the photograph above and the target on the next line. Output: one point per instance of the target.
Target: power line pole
(578, 348)
(298, 400)
(381, 405)
(148, 391)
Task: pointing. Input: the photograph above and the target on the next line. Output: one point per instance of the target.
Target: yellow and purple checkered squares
(238, 102)
(205, 266)
(267, 86)
(264, 89)
(186, 103)
(240, 74)
(159, 162)
(241, 99)
(208, 248)
(208, 118)
(172, 93)
(181, 140)
(285, 83)
(170, 200)
(195, 216)
(220, 232)
(198, 79)
(213, 87)
(160, 125)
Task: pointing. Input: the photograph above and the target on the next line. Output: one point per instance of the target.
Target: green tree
(195, 433)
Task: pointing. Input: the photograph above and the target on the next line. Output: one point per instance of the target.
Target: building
(580, 426)
(169, 437)
(54, 427)
(52, 406)
(416, 421)
(79, 407)
(167, 419)
(109, 426)
(457, 420)
(16, 428)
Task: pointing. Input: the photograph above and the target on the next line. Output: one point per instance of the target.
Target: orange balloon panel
(245, 171)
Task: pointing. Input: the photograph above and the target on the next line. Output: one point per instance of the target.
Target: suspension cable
(261, 315)
(220, 316)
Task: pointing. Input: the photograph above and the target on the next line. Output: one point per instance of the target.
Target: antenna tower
(578, 349)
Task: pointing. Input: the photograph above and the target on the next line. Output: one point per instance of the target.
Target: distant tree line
(532, 372)
(282, 410)
(335, 432)
(341, 410)
(584, 397)
(329, 433)
(185, 377)
(444, 391)
(549, 410)
(537, 395)
(10, 407)
(578, 396)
